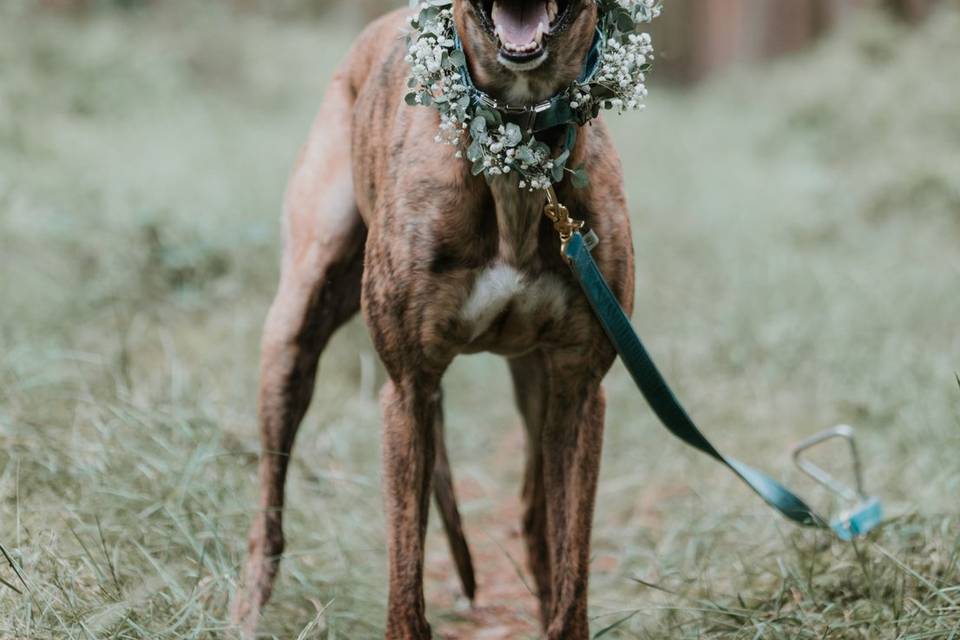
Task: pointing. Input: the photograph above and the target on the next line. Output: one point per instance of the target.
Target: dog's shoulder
(379, 49)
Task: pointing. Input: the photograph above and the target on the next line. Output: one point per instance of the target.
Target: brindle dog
(380, 217)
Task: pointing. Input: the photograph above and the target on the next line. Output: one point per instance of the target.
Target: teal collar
(534, 118)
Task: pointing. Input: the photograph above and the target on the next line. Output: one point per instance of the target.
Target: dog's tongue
(517, 21)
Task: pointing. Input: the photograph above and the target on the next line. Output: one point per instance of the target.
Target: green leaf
(492, 117)
(525, 154)
(557, 172)
(580, 179)
(411, 99)
(457, 58)
(474, 152)
(571, 140)
(478, 126)
(513, 135)
(477, 167)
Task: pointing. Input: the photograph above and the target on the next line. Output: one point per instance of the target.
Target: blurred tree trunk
(696, 37)
(790, 26)
(84, 5)
(912, 10)
(71, 5)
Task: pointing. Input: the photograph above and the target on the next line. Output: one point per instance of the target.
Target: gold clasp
(559, 215)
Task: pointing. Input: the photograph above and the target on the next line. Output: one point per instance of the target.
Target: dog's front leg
(410, 407)
(571, 443)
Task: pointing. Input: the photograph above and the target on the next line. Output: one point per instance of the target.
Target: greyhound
(442, 262)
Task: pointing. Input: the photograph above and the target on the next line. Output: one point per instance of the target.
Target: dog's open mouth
(521, 27)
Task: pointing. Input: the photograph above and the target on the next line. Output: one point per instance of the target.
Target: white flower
(619, 84)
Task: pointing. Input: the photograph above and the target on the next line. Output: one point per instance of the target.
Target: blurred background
(696, 36)
(796, 203)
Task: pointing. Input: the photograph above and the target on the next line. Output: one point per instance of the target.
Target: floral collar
(500, 139)
(550, 113)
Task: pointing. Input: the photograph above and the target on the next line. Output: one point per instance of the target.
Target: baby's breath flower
(496, 147)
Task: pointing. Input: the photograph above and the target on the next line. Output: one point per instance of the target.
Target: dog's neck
(519, 213)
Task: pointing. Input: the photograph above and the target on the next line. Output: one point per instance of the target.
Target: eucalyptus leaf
(557, 172)
(491, 117)
(478, 126)
(625, 23)
(525, 154)
(474, 152)
(457, 58)
(513, 135)
(580, 179)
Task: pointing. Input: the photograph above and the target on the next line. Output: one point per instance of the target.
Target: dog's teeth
(527, 47)
(552, 10)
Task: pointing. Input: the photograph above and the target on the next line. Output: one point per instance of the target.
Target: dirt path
(505, 607)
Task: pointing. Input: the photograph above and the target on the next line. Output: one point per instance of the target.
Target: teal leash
(865, 515)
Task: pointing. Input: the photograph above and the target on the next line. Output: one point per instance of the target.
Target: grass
(796, 232)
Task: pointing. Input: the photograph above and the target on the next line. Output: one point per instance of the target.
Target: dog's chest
(512, 299)
(505, 306)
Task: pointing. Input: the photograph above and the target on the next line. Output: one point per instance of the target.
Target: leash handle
(844, 432)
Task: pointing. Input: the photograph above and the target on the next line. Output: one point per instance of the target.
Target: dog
(379, 217)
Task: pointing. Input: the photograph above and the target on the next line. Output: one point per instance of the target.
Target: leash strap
(658, 394)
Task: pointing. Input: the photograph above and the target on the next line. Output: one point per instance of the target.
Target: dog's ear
(524, 51)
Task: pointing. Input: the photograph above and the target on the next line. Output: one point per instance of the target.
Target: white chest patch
(500, 285)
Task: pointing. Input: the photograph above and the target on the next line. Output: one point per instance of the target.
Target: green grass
(796, 229)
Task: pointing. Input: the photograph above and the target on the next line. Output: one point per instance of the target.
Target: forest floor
(796, 226)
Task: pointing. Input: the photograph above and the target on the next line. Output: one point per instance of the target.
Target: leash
(557, 112)
(576, 248)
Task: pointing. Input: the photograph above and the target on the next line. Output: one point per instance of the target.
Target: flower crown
(473, 123)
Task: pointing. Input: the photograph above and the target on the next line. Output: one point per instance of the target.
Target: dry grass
(797, 229)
